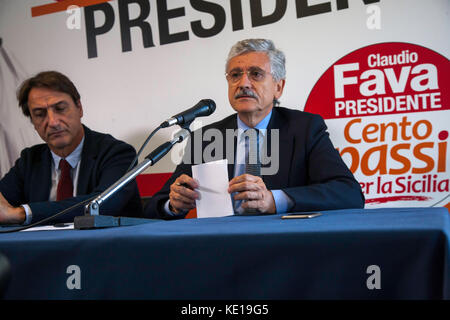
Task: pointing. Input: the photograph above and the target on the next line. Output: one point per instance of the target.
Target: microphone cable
(142, 148)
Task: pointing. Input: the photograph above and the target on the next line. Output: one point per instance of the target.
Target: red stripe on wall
(62, 6)
(149, 184)
(397, 198)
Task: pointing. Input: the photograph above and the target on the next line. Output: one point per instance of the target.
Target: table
(398, 253)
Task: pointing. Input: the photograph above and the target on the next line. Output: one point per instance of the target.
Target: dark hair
(52, 80)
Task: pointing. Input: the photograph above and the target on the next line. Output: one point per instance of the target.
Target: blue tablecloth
(241, 257)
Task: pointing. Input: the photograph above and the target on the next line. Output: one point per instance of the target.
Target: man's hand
(253, 191)
(182, 195)
(10, 214)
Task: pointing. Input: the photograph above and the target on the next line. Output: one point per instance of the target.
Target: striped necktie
(252, 157)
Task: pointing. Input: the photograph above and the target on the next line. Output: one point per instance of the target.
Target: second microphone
(203, 108)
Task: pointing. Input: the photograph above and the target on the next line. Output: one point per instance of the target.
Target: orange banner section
(62, 6)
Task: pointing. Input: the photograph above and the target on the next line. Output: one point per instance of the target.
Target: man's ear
(80, 106)
(279, 88)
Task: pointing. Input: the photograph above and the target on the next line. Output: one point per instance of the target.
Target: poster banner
(376, 70)
(388, 106)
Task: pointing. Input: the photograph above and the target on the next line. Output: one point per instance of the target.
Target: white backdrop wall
(129, 93)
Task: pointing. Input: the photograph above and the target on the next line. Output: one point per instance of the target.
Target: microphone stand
(93, 219)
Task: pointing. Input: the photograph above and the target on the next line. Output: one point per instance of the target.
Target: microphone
(202, 109)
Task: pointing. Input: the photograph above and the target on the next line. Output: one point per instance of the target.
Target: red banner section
(384, 78)
(149, 184)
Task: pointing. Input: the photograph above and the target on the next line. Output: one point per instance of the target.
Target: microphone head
(203, 108)
(211, 105)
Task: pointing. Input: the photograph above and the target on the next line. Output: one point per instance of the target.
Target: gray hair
(276, 57)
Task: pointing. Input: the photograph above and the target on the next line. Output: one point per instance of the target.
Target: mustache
(244, 92)
(55, 131)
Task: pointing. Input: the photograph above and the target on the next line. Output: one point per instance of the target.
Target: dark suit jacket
(311, 171)
(103, 161)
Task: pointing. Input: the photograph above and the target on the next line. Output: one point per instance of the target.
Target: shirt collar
(72, 158)
(261, 126)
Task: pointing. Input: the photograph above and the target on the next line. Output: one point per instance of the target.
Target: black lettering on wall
(257, 16)
(216, 11)
(126, 24)
(305, 10)
(236, 15)
(343, 4)
(91, 30)
(212, 7)
(164, 15)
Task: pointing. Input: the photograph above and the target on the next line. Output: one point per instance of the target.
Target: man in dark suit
(73, 165)
(310, 173)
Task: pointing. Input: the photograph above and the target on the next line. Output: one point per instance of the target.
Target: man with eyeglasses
(311, 174)
(73, 165)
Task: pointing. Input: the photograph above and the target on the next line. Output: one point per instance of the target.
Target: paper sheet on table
(65, 226)
(215, 201)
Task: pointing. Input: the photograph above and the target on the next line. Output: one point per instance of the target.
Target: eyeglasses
(254, 74)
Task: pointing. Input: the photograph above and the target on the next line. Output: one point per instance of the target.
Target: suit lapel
(42, 178)
(88, 155)
(284, 147)
(231, 157)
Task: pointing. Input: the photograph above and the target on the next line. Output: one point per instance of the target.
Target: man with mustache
(74, 164)
(311, 174)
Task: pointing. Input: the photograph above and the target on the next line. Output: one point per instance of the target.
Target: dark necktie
(252, 159)
(65, 184)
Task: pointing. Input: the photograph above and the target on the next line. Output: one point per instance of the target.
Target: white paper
(215, 201)
(66, 226)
